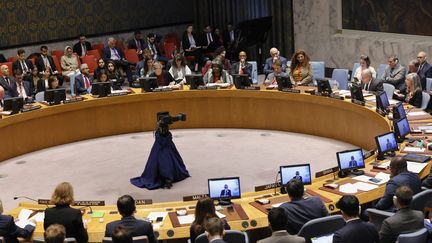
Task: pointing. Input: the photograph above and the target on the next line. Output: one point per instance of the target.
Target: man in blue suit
(425, 69)
(111, 52)
(300, 210)
(400, 176)
(83, 81)
(355, 229)
(10, 231)
(21, 87)
(136, 227)
(274, 55)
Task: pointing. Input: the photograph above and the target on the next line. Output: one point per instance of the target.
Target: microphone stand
(31, 199)
(276, 182)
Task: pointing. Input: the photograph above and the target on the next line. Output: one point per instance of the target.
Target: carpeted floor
(100, 169)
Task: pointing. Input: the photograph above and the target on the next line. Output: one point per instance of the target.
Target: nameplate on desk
(266, 187)
(326, 172)
(44, 201)
(143, 201)
(89, 203)
(162, 89)
(291, 90)
(194, 197)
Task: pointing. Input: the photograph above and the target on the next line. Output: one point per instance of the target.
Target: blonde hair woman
(63, 214)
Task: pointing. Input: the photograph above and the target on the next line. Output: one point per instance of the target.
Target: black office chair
(376, 217)
(136, 239)
(419, 236)
(321, 226)
(421, 200)
(231, 236)
(42, 240)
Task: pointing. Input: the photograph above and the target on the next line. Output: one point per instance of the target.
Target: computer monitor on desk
(300, 172)
(350, 161)
(399, 111)
(101, 89)
(224, 189)
(283, 82)
(324, 87)
(194, 80)
(147, 84)
(382, 102)
(356, 93)
(14, 104)
(386, 144)
(242, 80)
(55, 96)
(402, 128)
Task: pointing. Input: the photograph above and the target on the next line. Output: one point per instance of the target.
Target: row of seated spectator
(288, 222)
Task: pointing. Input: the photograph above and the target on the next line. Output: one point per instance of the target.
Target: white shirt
(191, 41)
(24, 66)
(177, 73)
(46, 61)
(359, 71)
(21, 90)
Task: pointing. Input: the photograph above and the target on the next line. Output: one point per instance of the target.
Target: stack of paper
(154, 215)
(415, 167)
(348, 188)
(364, 186)
(187, 219)
(417, 113)
(414, 149)
(220, 215)
(276, 205)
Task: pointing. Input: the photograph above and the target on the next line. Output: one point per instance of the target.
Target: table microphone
(276, 182)
(91, 210)
(31, 199)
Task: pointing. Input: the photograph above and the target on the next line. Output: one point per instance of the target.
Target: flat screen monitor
(241, 80)
(386, 143)
(350, 159)
(356, 92)
(55, 96)
(224, 188)
(194, 80)
(147, 84)
(323, 86)
(402, 127)
(300, 172)
(101, 89)
(398, 111)
(283, 82)
(14, 104)
(382, 101)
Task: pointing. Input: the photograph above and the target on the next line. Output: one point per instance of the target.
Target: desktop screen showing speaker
(350, 159)
(402, 127)
(386, 143)
(220, 188)
(382, 101)
(299, 172)
(398, 111)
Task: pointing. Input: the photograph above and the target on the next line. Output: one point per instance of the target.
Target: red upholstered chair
(12, 59)
(131, 56)
(96, 53)
(58, 53)
(9, 64)
(120, 45)
(99, 47)
(169, 49)
(91, 62)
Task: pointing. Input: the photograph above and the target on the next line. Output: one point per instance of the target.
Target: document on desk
(414, 149)
(154, 215)
(383, 176)
(415, 167)
(323, 239)
(417, 113)
(187, 219)
(220, 215)
(364, 186)
(23, 218)
(276, 205)
(367, 179)
(348, 188)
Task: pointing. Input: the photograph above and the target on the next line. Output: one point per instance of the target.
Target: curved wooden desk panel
(271, 110)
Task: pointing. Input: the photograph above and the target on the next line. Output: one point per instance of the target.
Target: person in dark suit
(121, 235)
(44, 61)
(399, 176)
(225, 192)
(425, 69)
(204, 210)
(215, 230)
(210, 40)
(192, 45)
(154, 49)
(405, 220)
(353, 162)
(82, 46)
(83, 81)
(163, 77)
(298, 176)
(55, 233)
(300, 210)
(111, 52)
(274, 55)
(414, 94)
(43, 83)
(242, 67)
(138, 44)
(355, 230)
(63, 214)
(10, 231)
(136, 227)
(25, 66)
(394, 73)
(21, 86)
(369, 83)
(277, 221)
(6, 82)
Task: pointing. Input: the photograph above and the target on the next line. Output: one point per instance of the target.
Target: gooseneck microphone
(31, 199)
(91, 210)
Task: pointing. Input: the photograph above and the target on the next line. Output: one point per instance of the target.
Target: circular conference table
(226, 108)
